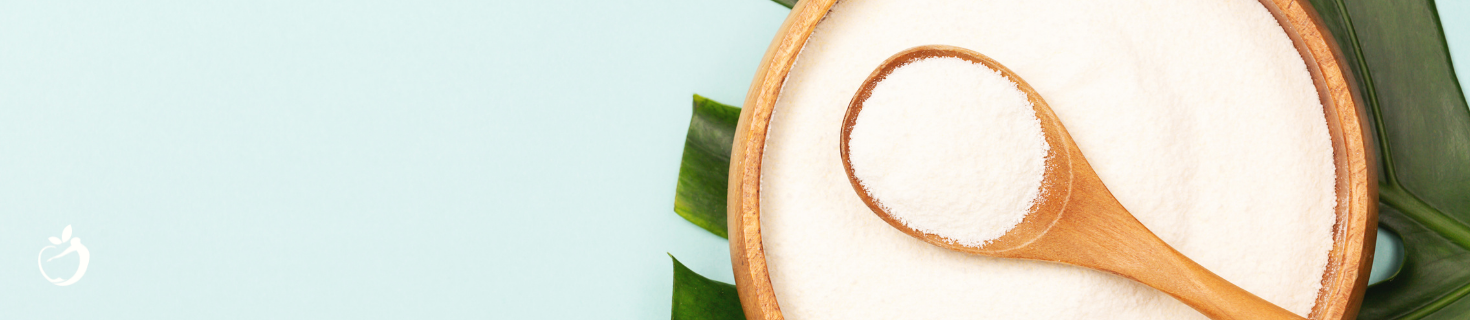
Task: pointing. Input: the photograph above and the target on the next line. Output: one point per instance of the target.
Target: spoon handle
(1158, 265)
(1097, 232)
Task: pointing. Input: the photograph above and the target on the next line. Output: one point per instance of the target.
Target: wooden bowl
(1357, 195)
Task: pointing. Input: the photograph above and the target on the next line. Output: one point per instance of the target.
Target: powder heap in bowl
(951, 148)
(1200, 116)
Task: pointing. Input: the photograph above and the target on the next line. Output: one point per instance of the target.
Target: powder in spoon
(951, 148)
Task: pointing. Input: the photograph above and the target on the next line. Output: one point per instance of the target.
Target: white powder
(951, 148)
(1199, 115)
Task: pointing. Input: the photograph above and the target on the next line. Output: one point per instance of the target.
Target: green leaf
(787, 3)
(697, 297)
(1397, 52)
(704, 174)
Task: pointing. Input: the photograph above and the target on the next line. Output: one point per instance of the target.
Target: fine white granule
(951, 148)
(1199, 115)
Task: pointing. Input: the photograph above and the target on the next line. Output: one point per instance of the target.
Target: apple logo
(75, 246)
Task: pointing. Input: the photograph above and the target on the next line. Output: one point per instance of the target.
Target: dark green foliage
(1397, 52)
(699, 298)
(704, 174)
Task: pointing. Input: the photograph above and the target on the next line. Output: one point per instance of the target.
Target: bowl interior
(1353, 234)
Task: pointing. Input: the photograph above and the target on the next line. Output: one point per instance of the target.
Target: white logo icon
(75, 246)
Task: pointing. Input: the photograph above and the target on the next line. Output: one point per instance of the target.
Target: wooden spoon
(1076, 221)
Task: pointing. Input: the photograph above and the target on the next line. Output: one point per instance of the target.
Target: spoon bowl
(1056, 181)
(1075, 219)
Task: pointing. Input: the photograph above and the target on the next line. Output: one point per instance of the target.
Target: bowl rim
(1354, 232)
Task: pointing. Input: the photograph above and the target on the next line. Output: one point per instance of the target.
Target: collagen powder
(951, 148)
(1199, 116)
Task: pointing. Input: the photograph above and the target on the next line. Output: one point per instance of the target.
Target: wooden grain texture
(1356, 230)
(1077, 220)
(747, 257)
(1356, 187)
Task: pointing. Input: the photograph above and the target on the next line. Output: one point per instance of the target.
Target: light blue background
(344, 159)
